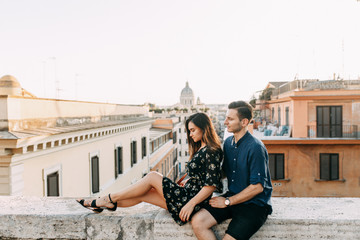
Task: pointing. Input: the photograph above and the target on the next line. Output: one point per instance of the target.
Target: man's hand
(218, 202)
(186, 211)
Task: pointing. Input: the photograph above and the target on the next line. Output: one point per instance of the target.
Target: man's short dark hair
(244, 109)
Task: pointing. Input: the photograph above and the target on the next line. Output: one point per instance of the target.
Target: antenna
(343, 64)
(57, 82)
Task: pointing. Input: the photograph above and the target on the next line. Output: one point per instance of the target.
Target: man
(246, 165)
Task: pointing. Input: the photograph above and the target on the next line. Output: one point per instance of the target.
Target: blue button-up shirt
(247, 162)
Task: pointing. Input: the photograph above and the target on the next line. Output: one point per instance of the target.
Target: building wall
(165, 163)
(302, 112)
(74, 161)
(302, 170)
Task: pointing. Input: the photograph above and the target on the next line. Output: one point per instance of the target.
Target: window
(52, 181)
(143, 147)
(179, 153)
(329, 121)
(329, 166)
(179, 141)
(175, 155)
(179, 130)
(272, 114)
(287, 116)
(118, 161)
(176, 172)
(174, 137)
(53, 184)
(133, 153)
(276, 165)
(95, 178)
(279, 115)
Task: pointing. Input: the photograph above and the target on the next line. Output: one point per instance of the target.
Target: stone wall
(64, 218)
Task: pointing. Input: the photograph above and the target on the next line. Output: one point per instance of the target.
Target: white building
(51, 147)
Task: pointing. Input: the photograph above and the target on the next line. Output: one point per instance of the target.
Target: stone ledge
(63, 218)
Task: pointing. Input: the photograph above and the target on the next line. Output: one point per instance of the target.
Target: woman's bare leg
(152, 180)
(152, 197)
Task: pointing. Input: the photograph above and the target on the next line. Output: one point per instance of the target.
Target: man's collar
(240, 140)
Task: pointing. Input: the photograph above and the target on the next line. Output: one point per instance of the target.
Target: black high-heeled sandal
(92, 207)
(115, 204)
(97, 209)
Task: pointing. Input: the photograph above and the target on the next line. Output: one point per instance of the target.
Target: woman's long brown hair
(211, 139)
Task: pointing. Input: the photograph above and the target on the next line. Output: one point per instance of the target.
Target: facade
(311, 129)
(69, 148)
(164, 148)
(176, 122)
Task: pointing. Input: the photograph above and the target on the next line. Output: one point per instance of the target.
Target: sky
(138, 51)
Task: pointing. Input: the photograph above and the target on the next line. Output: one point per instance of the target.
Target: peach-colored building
(311, 129)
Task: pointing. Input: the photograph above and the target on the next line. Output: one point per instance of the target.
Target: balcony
(333, 131)
(272, 131)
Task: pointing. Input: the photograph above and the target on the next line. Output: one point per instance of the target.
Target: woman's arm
(203, 194)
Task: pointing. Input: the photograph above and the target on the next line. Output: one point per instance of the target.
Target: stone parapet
(63, 218)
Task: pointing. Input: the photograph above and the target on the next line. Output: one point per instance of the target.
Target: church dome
(9, 85)
(187, 96)
(187, 91)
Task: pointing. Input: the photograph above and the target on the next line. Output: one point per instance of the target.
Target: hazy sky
(131, 52)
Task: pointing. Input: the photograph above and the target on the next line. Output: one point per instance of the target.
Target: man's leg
(247, 220)
(201, 223)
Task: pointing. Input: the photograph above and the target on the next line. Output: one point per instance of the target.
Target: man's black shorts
(246, 218)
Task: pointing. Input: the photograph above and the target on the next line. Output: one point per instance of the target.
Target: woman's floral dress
(203, 170)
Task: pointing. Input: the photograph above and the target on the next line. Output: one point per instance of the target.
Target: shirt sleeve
(213, 172)
(258, 163)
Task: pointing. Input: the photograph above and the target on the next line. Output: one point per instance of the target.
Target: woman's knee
(153, 174)
(153, 177)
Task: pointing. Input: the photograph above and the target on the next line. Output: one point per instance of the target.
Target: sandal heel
(115, 204)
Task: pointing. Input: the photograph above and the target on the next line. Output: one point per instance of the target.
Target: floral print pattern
(203, 170)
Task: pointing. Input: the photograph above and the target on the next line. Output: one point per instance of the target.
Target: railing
(333, 131)
(290, 86)
(272, 130)
(311, 84)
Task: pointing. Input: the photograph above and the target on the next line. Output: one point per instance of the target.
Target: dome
(187, 91)
(9, 81)
(187, 96)
(9, 85)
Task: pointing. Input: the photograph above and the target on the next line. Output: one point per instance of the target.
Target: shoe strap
(93, 204)
(110, 199)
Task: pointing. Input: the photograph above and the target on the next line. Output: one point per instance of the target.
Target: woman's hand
(186, 211)
(218, 202)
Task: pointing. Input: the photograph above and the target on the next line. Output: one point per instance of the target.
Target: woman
(182, 202)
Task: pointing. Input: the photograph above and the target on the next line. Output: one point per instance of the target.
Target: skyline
(132, 52)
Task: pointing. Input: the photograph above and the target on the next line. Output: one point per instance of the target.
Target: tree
(253, 101)
(266, 94)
